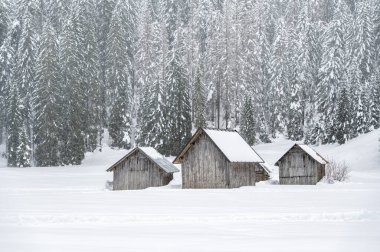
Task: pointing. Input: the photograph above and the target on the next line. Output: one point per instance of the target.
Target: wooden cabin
(301, 165)
(141, 168)
(218, 159)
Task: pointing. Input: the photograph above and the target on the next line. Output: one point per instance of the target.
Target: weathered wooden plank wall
(297, 167)
(139, 172)
(242, 174)
(321, 171)
(205, 166)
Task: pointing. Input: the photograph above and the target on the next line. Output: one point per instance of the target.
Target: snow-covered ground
(69, 209)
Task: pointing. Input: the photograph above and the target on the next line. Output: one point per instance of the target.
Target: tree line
(148, 72)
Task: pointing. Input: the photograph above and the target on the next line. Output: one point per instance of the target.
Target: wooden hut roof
(153, 155)
(229, 142)
(311, 152)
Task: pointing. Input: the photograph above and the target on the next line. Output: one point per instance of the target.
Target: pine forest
(149, 72)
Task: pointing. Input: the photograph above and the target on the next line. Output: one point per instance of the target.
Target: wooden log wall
(139, 172)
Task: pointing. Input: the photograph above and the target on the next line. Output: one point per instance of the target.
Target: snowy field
(69, 209)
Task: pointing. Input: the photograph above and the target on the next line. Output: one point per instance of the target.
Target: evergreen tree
(170, 19)
(247, 122)
(295, 121)
(48, 100)
(94, 89)
(178, 124)
(199, 103)
(8, 62)
(213, 68)
(331, 72)
(119, 68)
(364, 40)
(152, 116)
(316, 131)
(353, 94)
(302, 84)
(17, 143)
(263, 129)
(343, 117)
(3, 21)
(104, 15)
(3, 75)
(25, 68)
(261, 80)
(119, 122)
(363, 113)
(72, 60)
(279, 79)
(312, 123)
(375, 101)
(179, 110)
(151, 59)
(376, 21)
(14, 124)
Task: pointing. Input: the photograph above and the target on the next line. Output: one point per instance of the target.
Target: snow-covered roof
(154, 155)
(233, 146)
(151, 152)
(159, 159)
(230, 143)
(312, 153)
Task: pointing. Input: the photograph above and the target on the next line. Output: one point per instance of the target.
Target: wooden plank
(297, 167)
(139, 172)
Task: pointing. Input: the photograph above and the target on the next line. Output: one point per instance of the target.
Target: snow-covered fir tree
(104, 15)
(199, 102)
(247, 122)
(74, 89)
(48, 101)
(18, 145)
(10, 89)
(16, 82)
(95, 107)
(3, 21)
(178, 121)
(119, 65)
(295, 116)
(376, 30)
(4, 70)
(362, 119)
(151, 59)
(261, 65)
(25, 68)
(279, 79)
(331, 72)
(119, 122)
(363, 39)
(343, 117)
(375, 99)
